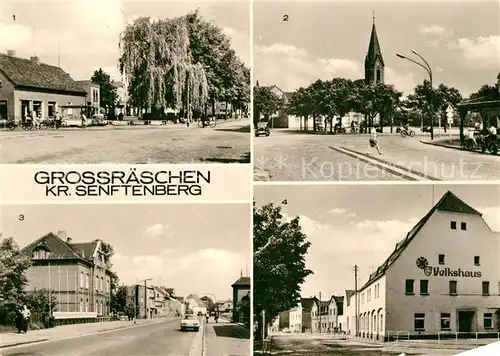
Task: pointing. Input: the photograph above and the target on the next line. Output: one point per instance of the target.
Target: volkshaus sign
(423, 264)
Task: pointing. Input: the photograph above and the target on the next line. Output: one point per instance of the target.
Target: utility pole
(145, 299)
(356, 299)
(263, 326)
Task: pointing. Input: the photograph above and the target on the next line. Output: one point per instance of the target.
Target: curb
(441, 145)
(203, 341)
(22, 343)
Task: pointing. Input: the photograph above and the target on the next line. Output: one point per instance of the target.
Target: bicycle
(211, 123)
(407, 132)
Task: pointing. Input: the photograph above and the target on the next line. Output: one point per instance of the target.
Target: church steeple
(374, 62)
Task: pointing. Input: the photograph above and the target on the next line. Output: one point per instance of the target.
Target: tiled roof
(196, 299)
(58, 249)
(307, 303)
(242, 281)
(338, 300)
(26, 73)
(449, 202)
(86, 249)
(349, 293)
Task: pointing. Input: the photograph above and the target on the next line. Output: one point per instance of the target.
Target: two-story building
(194, 303)
(93, 98)
(27, 86)
(241, 288)
(75, 273)
(443, 277)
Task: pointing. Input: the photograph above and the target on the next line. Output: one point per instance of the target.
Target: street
(228, 142)
(288, 155)
(162, 338)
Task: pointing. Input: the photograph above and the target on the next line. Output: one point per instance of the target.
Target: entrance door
(3, 110)
(465, 320)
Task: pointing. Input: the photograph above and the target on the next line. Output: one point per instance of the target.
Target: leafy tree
(13, 267)
(339, 99)
(265, 102)
(279, 267)
(485, 91)
(107, 90)
(301, 105)
(41, 304)
(119, 300)
(209, 303)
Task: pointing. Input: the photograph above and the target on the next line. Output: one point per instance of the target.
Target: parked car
(262, 128)
(190, 322)
(99, 120)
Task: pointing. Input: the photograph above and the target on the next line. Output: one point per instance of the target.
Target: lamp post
(428, 69)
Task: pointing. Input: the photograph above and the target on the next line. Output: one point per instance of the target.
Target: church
(374, 73)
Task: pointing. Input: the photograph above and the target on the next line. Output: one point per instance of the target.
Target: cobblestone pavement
(226, 339)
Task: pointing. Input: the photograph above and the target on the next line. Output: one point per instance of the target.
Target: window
(488, 320)
(409, 287)
(424, 287)
(453, 225)
(369, 295)
(445, 321)
(453, 287)
(476, 261)
(441, 259)
(87, 306)
(419, 322)
(463, 225)
(87, 281)
(97, 284)
(81, 280)
(486, 288)
(40, 254)
(81, 306)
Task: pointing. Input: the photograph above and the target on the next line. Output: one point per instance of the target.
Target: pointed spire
(241, 273)
(374, 46)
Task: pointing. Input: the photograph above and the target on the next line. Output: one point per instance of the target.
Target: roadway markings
(394, 169)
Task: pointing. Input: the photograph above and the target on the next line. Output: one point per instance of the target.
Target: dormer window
(41, 253)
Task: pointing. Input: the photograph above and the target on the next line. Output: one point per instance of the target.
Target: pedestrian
(57, 120)
(26, 314)
(373, 140)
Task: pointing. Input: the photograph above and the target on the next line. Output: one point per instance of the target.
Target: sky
(193, 248)
(460, 40)
(87, 31)
(356, 224)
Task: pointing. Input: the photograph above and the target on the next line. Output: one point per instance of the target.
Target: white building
(194, 303)
(442, 278)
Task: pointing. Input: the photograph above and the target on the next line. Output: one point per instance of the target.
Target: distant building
(309, 312)
(121, 99)
(93, 98)
(27, 85)
(76, 274)
(241, 288)
(194, 303)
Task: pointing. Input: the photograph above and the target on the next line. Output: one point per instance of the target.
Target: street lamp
(428, 69)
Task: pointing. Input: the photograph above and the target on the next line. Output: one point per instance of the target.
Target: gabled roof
(349, 293)
(197, 300)
(242, 282)
(61, 250)
(307, 303)
(374, 51)
(449, 202)
(27, 73)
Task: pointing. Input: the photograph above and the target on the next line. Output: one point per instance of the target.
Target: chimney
(35, 59)
(69, 240)
(11, 53)
(61, 234)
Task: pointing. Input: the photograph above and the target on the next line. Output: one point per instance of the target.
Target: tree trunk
(314, 123)
(213, 107)
(300, 122)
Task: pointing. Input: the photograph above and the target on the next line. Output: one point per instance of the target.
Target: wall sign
(423, 264)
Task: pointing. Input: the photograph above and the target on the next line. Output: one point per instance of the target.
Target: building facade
(75, 273)
(93, 98)
(194, 303)
(241, 288)
(27, 85)
(444, 277)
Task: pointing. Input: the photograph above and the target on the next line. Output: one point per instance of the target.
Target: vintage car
(98, 120)
(262, 128)
(190, 322)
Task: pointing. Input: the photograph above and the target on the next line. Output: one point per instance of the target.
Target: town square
(186, 101)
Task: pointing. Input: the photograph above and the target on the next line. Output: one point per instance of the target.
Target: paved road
(293, 156)
(229, 142)
(155, 339)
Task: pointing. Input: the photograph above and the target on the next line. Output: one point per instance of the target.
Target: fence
(465, 339)
(397, 336)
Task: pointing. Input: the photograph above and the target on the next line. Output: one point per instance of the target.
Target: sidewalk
(226, 339)
(68, 331)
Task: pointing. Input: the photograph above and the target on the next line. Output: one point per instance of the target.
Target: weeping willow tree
(157, 62)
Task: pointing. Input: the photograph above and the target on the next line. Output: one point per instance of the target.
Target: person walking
(374, 140)
(26, 315)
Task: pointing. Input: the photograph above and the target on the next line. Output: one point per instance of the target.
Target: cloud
(337, 211)
(484, 50)
(342, 67)
(281, 49)
(404, 82)
(434, 30)
(157, 230)
(202, 271)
